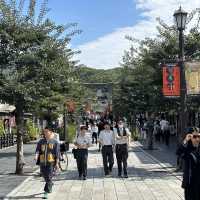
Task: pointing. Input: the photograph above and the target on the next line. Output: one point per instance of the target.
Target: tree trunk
(20, 130)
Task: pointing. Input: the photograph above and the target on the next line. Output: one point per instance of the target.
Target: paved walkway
(148, 180)
(8, 180)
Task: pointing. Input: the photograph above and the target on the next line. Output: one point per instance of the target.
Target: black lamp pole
(64, 124)
(180, 18)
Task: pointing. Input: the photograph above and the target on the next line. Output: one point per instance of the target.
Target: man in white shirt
(107, 140)
(122, 139)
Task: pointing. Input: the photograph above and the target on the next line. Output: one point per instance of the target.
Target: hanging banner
(192, 73)
(171, 80)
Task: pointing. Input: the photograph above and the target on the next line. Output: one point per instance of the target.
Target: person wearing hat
(82, 143)
(107, 141)
(47, 156)
(190, 150)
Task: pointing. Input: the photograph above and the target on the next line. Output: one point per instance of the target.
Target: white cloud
(107, 51)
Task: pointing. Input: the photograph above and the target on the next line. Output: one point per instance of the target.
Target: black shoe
(84, 178)
(125, 176)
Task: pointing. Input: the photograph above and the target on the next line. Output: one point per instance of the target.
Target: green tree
(34, 59)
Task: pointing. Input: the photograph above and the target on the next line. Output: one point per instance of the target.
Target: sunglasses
(196, 136)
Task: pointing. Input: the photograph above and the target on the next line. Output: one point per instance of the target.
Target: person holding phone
(190, 150)
(82, 142)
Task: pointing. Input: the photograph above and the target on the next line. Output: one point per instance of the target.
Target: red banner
(171, 80)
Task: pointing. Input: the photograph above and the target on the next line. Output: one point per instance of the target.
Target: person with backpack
(122, 140)
(47, 156)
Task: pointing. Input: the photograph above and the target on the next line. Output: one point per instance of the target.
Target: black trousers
(81, 159)
(94, 138)
(192, 192)
(47, 174)
(122, 156)
(108, 160)
(167, 137)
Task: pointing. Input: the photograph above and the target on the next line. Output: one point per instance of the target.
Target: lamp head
(180, 17)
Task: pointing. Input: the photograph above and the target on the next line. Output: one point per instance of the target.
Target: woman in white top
(82, 142)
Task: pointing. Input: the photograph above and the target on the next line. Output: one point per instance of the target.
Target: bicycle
(63, 163)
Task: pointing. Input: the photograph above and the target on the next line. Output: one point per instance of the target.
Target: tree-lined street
(150, 98)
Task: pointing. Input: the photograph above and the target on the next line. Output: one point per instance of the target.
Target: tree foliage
(140, 88)
(35, 61)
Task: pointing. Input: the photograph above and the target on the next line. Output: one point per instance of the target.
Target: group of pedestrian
(111, 140)
(48, 154)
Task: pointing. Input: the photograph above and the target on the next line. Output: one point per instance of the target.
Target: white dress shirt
(123, 140)
(83, 140)
(107, 137)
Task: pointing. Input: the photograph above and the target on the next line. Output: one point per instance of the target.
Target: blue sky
(105, 23)
(95, 18)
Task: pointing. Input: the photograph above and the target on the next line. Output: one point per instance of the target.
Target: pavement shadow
(13, 154)
(91, 173)
(34, 196)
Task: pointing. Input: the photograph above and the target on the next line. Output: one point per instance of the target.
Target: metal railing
(6, 140)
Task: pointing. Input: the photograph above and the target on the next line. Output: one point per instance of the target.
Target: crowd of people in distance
(160, 127)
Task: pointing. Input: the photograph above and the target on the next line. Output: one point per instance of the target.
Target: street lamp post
(64, 124)
(180, 17)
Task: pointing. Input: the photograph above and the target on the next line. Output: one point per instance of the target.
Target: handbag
(75, 152)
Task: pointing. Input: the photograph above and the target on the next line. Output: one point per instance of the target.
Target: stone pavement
(165, 154)
(148, 180)
(8, 180)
